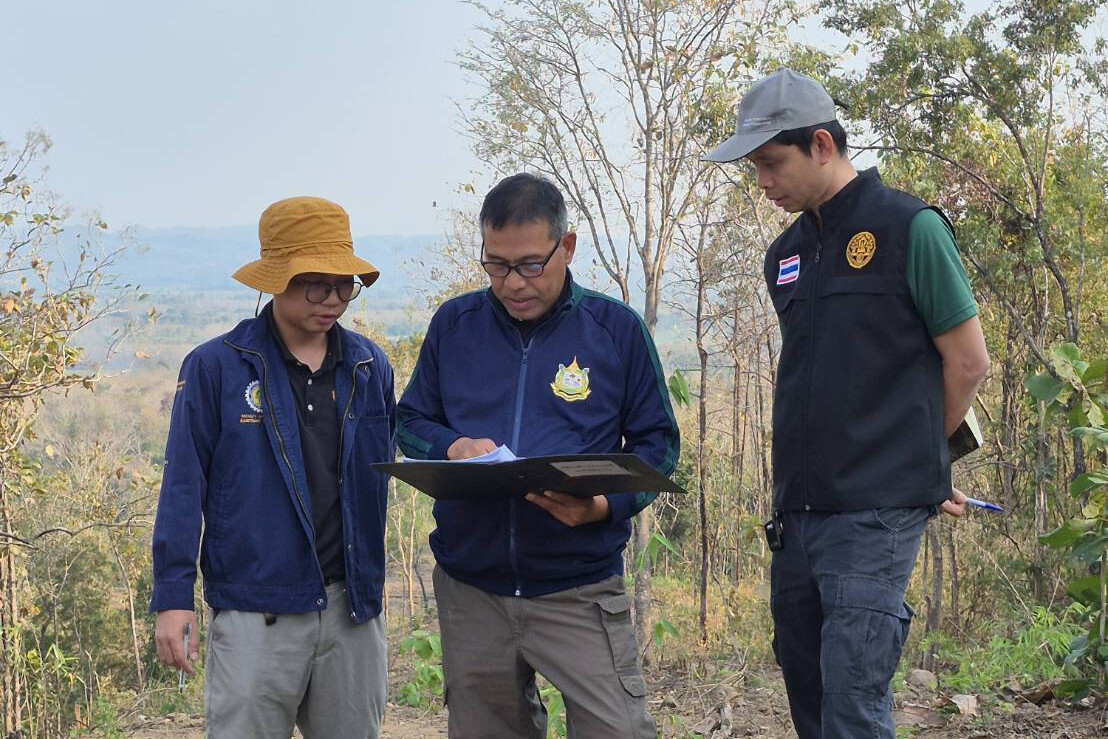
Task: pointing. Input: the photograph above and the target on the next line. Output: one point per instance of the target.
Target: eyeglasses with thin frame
(524, 269)
(317, 292)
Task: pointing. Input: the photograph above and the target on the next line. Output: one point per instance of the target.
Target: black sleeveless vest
(858, 407)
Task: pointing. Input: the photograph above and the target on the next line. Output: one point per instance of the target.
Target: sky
(201, 113)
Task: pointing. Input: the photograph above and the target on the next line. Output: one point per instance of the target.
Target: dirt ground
(741, 702)
(756, 707)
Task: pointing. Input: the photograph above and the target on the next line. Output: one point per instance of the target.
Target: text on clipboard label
(589, 468)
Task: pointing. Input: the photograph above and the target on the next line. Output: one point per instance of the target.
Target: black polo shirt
(318, 420)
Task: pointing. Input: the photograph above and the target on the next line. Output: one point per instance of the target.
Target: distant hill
(193, 258)
(187, 272)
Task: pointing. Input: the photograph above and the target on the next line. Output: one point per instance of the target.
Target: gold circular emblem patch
(860, 249)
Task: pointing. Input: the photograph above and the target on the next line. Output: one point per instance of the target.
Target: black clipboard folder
(583, 475)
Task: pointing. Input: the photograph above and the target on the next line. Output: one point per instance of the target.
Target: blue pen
(983, 504)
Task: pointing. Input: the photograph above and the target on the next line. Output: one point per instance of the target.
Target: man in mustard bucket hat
(267, 474)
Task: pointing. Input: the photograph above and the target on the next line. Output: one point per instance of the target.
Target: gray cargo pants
(319, 671)
(580, 639)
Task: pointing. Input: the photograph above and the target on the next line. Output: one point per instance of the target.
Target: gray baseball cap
(780, 102)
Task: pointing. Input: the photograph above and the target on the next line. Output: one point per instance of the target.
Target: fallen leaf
(967, 704)
(918, 716)
(1039, 694)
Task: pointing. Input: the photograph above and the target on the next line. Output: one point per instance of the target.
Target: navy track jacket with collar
(234, 463)
(586, 381)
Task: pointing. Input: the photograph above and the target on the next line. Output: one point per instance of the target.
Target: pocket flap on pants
(872, 594)
(634, 685)
(615, 604)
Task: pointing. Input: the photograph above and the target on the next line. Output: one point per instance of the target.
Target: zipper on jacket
(338, 462)
(513, 555)
(811, 359)
(284, 453)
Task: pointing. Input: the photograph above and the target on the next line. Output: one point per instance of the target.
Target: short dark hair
(802, 137)
(525, 198)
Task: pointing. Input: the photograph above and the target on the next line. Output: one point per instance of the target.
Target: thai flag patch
(788, 270)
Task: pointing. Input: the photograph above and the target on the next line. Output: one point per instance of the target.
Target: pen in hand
(984, 505)
(181, 672)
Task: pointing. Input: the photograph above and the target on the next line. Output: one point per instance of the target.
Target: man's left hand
(956, 505)
(569, 509)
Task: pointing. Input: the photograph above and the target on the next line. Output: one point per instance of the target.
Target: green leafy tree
(600, 97)
(1077, 391)
(998, 116)
(45, 301)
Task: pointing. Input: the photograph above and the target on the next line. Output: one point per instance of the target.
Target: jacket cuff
(441, 444)
(621, 507)
(171, 596)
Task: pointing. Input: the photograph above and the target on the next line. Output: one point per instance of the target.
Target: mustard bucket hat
(300, 235)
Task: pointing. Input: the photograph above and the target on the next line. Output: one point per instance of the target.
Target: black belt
(271, 618)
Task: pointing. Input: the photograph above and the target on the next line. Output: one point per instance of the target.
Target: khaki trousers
(319, 671)
(580, 639)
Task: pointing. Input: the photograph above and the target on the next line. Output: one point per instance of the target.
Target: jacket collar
(842, 203)
(334, 346)
(254, 334)
(571, 295)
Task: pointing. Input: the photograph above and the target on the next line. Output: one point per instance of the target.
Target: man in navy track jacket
(543, 366)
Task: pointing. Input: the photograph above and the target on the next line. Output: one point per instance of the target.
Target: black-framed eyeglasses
(523, 269)
(317, 292)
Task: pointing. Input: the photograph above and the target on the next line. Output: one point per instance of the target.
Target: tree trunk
(701, 452)
(1010, 398)
(11, 682)
(645, 520)
(935, 598)
(643, 526)
(765, 485)
(1039, 573)
(413, 502)
(952, 551)
(740, 417)
(136, 650)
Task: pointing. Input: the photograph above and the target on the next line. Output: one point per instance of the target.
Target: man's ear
(823, 146)
(569, 241)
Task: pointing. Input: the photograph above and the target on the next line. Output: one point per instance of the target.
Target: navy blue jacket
(587, 381)
(233, 460)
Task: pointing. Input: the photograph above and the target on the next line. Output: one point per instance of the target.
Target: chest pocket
(368, 401)
(863, 285)
(866, 263)
(785, 297)
(787, 273)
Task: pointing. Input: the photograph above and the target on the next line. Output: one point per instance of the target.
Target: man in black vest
(881, 356)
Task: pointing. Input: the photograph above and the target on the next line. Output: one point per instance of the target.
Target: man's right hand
(467, 448)
(956, 505)
(169, 638)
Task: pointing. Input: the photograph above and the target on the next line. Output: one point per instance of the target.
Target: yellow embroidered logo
(572, 382)
(253, 396)
(860, 249)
